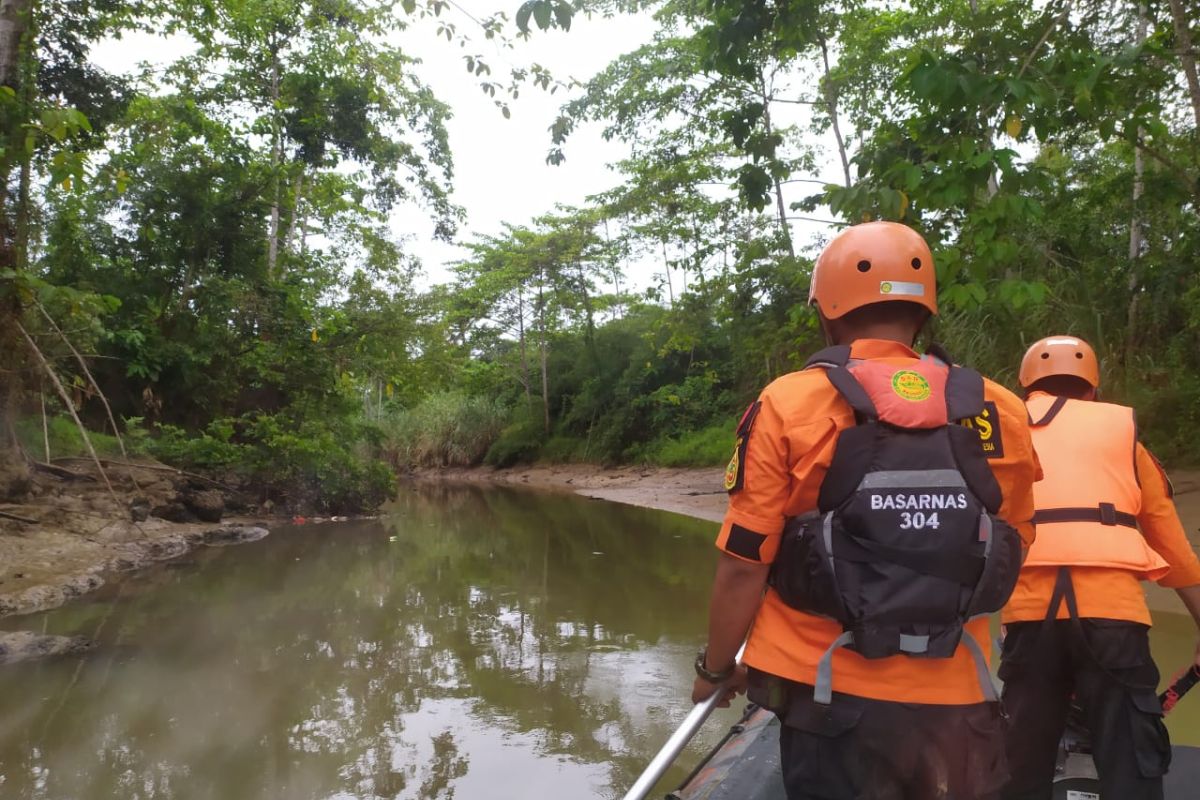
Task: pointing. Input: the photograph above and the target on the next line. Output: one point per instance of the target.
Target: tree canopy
(203, 254)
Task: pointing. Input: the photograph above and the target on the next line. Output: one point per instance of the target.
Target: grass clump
(64, 437)
(710, 446)
(447, 429)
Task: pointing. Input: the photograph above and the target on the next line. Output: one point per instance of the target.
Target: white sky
(500, 170)
(501, 173)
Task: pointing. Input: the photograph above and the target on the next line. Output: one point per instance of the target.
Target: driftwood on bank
(153, 468)
(17, 518)
(66, 399)
(62, 472)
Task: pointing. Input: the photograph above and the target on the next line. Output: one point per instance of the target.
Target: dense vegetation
(212, 240)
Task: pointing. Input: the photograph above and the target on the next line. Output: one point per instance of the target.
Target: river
(472, 643)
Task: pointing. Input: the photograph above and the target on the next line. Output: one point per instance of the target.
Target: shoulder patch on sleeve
(735, 471)
(1163, 474)
(987, 424)
(745, 543)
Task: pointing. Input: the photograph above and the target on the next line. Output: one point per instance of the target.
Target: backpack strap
(837, 355)
(1052, 412)
(834, 361)
(852, 392)
(964, 394)
(938, 353)
(964, 400)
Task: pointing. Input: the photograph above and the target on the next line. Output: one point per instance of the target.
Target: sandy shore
(694, 492)
(71, 533)
(698, 493)
(81, 537)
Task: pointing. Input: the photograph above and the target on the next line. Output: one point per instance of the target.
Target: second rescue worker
(1077, 624)
(869, 534)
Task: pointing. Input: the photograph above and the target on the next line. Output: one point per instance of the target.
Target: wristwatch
(708, 674)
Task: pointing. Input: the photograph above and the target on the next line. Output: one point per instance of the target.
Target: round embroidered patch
(885, 287)
(731, 470)
(911, 385)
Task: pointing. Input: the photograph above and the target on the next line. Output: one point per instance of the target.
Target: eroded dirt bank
(698, 493)
(77, 535)
(69, 532)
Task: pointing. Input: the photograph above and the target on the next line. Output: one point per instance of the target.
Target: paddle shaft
(1179, 687)
(670, 751)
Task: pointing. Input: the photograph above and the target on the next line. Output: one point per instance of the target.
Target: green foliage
(307, 464)
(707, 447)
(519, 443)
(64, 438)
(564, 450)
(210, 449)
(447, 429)
(218, 235)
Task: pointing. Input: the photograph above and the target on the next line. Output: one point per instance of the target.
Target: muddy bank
(45, 566)
(69, 530)
(698, 492)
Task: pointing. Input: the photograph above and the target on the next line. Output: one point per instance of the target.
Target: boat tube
(745, 766)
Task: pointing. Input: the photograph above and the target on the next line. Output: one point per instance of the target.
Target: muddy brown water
(473, 643)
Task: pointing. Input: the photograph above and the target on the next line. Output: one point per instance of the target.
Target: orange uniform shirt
(1114, 593)
(785, 457)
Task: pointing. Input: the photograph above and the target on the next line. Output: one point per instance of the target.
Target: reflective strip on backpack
(987, 536)
(823, 688)
(827, 534)
(913, 479)
(985, 533)
(981, 667)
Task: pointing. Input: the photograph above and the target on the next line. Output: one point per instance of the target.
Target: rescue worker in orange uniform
(879, 504)
(1077, 622)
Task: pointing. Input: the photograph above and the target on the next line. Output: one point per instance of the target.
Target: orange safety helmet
(874, 262)
(1060, 355)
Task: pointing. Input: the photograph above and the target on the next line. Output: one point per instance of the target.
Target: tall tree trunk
(612, 266)
(296, 216)
(667, 272)
(1187, 56)
(16, 52)
(14, 20)
(524, 347)
(1135, 222)
(831, 104)
(589, 315)
(542, 347)
(785, 230)
(276, 164)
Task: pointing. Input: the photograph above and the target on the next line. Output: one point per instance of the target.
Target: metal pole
(683, 734)
(674, 746)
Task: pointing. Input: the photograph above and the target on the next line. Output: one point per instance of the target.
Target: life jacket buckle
(1108, 514)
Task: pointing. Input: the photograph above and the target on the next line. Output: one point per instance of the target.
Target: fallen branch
(153, 468)
(61, 472)
(95, 385)
(66, 398)
(18, 518)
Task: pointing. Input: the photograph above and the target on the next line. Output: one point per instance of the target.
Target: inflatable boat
(745, 766)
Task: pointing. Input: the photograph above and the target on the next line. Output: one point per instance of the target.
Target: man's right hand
(702, 689)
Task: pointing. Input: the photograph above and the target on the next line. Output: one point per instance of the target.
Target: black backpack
(905, 546)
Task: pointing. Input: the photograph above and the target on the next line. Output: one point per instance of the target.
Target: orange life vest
(1088, 502)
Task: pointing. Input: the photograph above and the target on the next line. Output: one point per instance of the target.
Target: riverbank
(73, 529)
(694, 491)
(698, 492)
(80, 534)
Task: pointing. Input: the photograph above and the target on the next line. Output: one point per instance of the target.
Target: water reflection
(471, 644)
